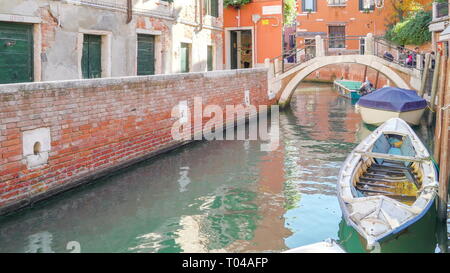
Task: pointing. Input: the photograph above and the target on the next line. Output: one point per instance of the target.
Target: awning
(445, 35)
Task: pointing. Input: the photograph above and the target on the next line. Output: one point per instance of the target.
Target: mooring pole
(365, 74)
(439, 114)
(376, 79)
(437, 70)
(443, 169)
(426, 70)
(444, 160)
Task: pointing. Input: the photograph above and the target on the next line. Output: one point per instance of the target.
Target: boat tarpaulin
(393, 99)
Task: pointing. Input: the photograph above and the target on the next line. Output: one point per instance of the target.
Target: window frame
(314, 4)
(362, 8)
(212, 8)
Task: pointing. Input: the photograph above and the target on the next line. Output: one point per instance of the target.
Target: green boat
(348, 89)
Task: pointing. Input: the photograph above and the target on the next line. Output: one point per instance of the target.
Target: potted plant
(237, 4)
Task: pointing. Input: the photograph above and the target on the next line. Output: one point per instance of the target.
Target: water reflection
(218, 196)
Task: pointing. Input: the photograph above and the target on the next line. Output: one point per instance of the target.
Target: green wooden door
(146, 55)
(91, 61)
(210, 58)
(16, 52)
(184, 55)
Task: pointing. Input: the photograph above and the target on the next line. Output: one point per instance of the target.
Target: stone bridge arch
(284, 84)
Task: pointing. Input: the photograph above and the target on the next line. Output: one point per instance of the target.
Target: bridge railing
(348, 45)
(397, 54)
(291, 59)
(343, 45)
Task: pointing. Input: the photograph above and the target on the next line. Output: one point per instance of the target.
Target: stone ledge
(88, 83)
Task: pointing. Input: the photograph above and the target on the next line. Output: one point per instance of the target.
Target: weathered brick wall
(100, 125)
(353, 72)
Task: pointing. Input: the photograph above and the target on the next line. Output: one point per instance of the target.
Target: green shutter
(16, 52)
(91, 61)
(210, 58)
(146, 55)
(215, 8)
(184, 56)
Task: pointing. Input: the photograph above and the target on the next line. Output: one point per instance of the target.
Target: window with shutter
(366, 4)
(91, 61)
(16, 52)
(212, 7)
(146, 55)
(210, 58)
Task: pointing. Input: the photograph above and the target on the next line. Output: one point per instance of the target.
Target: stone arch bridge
(284, 77)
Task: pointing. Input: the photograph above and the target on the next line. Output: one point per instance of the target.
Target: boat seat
(395, 151)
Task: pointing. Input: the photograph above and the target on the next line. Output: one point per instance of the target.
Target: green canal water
(219, 196)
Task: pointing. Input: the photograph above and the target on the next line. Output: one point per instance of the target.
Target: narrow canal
(219, 196)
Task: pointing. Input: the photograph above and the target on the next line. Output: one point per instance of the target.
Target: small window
(362, 46)
(210, 58)
(337, 2)
(309, 5)
(212, 7)
(185, 53)
(366, 5)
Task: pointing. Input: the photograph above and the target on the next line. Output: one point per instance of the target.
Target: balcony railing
(440, 10)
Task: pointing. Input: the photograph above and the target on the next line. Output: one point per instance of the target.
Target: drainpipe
(129, 11)
(239, 17)
(200, 27)
(255, 19)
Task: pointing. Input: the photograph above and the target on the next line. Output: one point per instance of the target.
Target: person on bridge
(388, 56)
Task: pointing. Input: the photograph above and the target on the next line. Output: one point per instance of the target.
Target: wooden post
(376, 79)
(444, 160)
(365, 74)
(426, 71)
(443, 169)
(437, 70)
(439, 115)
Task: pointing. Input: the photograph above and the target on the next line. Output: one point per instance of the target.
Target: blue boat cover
(393, 99)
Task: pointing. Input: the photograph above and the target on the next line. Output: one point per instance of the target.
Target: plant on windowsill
(309, 11)
(237, 4)
(366, 10)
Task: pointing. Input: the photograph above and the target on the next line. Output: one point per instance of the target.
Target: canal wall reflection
(217, 196)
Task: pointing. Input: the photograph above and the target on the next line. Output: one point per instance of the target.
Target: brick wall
(353, 72)
(100, 125)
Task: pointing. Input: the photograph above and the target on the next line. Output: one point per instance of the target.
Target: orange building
(252, 33)
(335, 18)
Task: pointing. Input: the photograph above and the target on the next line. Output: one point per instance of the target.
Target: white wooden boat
(377, 116)
(387, 183)
(391, 102)
(327, 246)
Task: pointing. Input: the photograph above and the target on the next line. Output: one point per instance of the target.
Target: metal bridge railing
(291, 59)
(397, 54)
(339, 45)
(348, 45)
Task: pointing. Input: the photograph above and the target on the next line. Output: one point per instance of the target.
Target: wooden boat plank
(373, 191)
(390, 156)
(373, 175)
(376, 185)
(378, 180)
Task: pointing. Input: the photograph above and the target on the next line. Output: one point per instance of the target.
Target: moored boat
(391, 102)
(387, 183)
(348, 89)
(327, 246)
